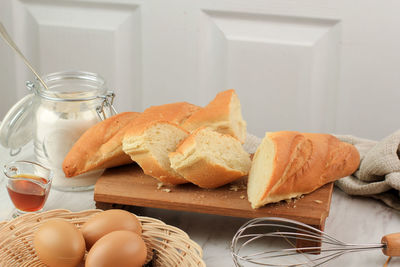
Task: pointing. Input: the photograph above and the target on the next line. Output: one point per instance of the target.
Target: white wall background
(312, 65)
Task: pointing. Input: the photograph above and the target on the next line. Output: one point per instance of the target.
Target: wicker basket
(171, 246)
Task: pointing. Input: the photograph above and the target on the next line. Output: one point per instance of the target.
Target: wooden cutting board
(128, 185)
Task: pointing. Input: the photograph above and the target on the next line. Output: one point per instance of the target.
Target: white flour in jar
(58, 126)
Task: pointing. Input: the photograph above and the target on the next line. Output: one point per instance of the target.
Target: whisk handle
(392, 244)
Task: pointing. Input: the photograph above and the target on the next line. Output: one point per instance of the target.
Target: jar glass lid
(72, 85)
(17, 126)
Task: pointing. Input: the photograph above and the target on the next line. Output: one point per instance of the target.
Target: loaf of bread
(149, 144)
(289, 164)
(210, 159)
(100, 146)
(223, 114)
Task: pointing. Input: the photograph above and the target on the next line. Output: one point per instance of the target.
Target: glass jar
(75, 101)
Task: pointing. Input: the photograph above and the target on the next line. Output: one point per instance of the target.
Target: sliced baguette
(289, 164)
(210, 159)
(149, 144)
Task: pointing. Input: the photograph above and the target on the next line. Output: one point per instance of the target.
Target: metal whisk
(283, 242)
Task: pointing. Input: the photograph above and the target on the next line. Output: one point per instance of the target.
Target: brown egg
(119, 248)
(59, 243)
(108, 221)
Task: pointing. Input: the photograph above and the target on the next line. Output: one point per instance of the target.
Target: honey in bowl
(27, 192)
(28, 185)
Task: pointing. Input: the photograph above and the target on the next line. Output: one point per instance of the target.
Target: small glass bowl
(28, 185)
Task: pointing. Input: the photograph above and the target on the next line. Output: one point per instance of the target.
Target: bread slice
(289, 164)
(210, 159)
(149, 145)
(154, 134)
(223, 114)
(100, 146)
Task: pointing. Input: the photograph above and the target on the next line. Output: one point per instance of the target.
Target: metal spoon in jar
(6, 37)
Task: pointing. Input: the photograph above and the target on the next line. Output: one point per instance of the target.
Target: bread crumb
(236, 188)
(288, 200)
(159, 185)
(242, 196)
(166, 190)
(318, 201)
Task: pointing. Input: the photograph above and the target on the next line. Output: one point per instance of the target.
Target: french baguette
(100, 146)
(289, 164)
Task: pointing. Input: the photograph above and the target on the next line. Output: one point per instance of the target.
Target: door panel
(284, 68)
(68, 36)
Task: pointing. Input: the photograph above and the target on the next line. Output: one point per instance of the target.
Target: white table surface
(351, 219)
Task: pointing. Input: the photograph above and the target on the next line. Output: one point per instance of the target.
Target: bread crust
(216, 115)
(304, 162)
(100, 146)
(176, 113)
(217, 110)
(206, 174)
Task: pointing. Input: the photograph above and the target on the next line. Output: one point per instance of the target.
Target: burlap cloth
(378, 175)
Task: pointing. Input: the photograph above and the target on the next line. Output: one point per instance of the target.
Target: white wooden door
(313, 65)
